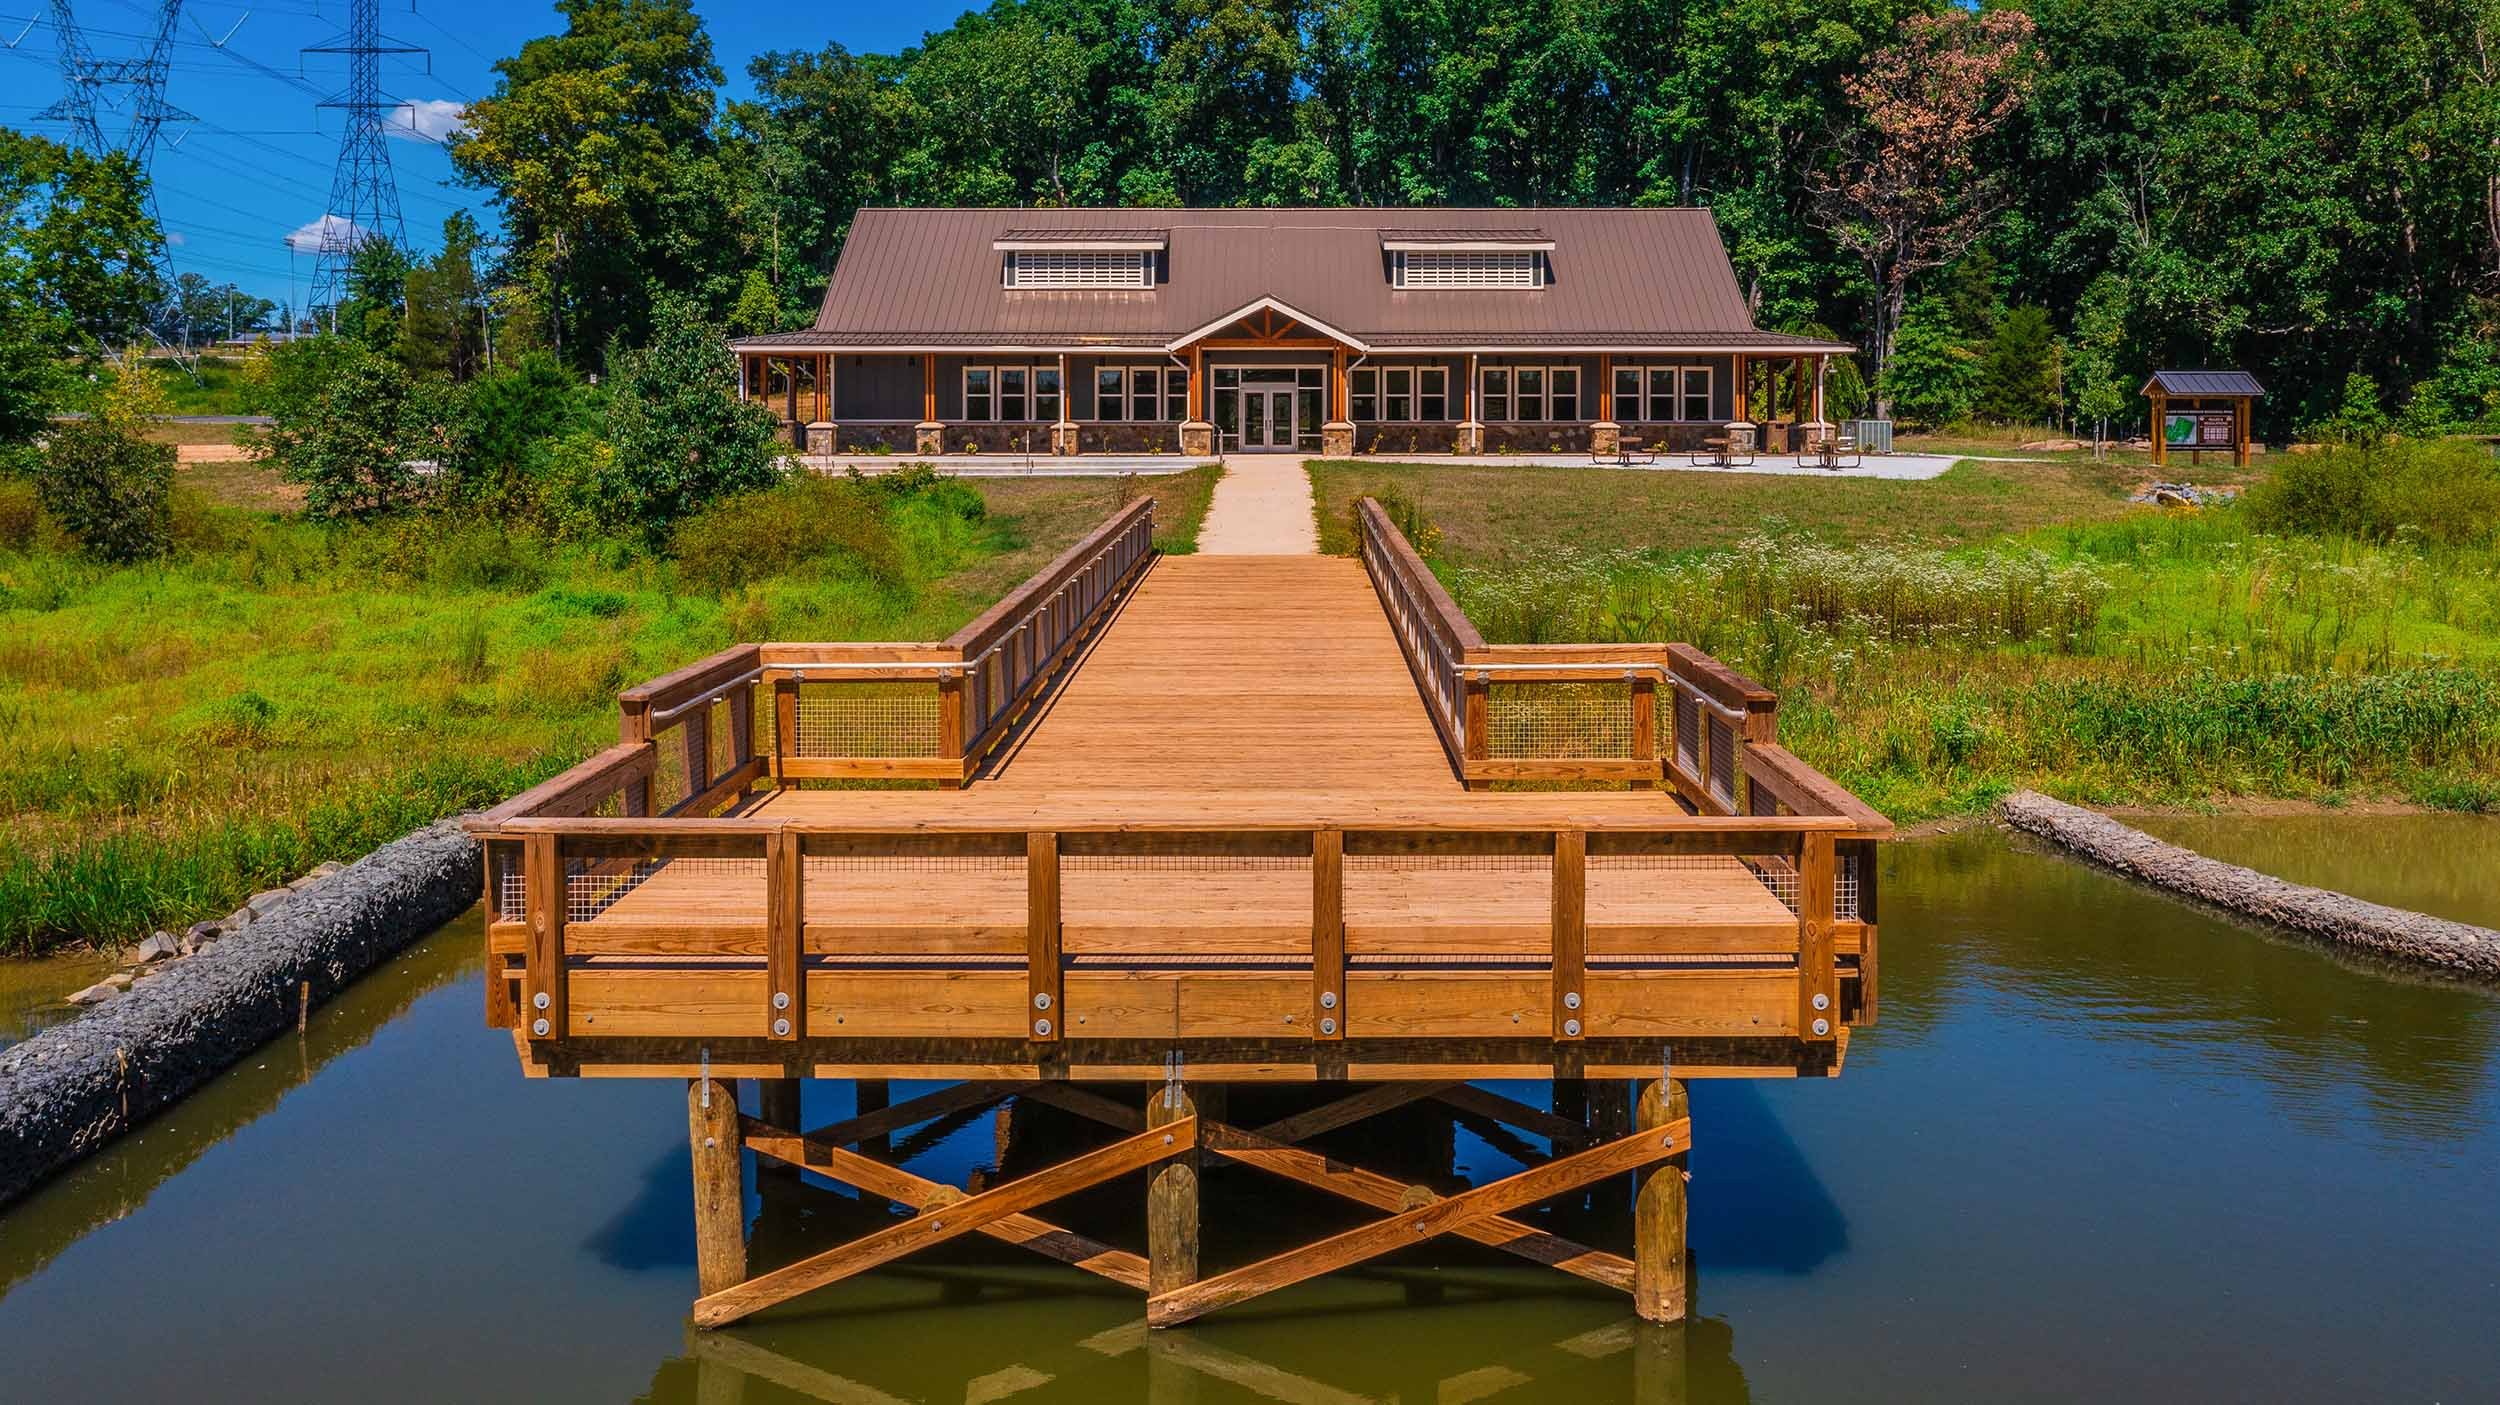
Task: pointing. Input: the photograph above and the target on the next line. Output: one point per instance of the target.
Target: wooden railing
(869, 957)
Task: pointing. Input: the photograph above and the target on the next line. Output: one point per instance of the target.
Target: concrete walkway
(1262, 507)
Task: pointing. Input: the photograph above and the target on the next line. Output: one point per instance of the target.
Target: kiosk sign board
(2200, 429)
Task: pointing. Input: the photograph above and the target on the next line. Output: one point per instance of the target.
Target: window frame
(987, 395)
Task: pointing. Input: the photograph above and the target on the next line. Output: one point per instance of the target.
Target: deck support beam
(777, 1103)
(720, 1232)
(1171, 1198)
(1659, 1260)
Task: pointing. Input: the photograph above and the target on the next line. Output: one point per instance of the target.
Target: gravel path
(1262, 507)
(2336, 918)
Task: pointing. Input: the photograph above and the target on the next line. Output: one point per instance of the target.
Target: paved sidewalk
(1262, 507)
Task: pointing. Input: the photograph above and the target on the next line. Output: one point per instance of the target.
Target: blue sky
(257, 165)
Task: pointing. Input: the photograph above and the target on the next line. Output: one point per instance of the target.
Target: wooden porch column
(1606, 385)
(1063, 429)
(1336, 436)
(1822, 367)
(929, 437)
(2240, 408)
(1658, 1214)
(720, 1234)
(2161, 409)
(1197, 382)
(1737, 405)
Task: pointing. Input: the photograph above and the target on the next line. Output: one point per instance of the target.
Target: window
(1110, 393)
(1011, 393)
(1522, 268)
(1075, 268)
(1175, 393)
(1142, 385)
(1419, 394)
(1672, 393)
(1523, 393)
(1046, 393)
(1140, 392)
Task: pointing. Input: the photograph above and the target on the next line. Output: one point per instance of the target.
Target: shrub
(755, 535)
(2448, 493)
(110, 488)
(357, 445)
(509, 416)
(2358, 419)
(683, 437)
(21, 514)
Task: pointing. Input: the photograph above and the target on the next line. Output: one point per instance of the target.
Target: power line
(363, 194)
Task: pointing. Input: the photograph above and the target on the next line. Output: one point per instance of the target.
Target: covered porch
(1269, 379)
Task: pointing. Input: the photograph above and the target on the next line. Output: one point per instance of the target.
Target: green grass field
(280, 693)
(1936, 643)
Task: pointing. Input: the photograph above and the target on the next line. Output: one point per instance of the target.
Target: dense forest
(2310, 190)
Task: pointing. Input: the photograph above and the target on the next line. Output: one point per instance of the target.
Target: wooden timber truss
(1169, 1136)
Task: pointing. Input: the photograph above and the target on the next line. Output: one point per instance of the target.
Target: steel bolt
(1571, 1000)
(781, 1000)
(1572, 1028)
(1041, 1000)
(539, 1000)
(1822, 1001)
(781, 1027)
(1327, 1026)
(539, 1028)
(1822, 1026)
(1041, 1027)
(1328, 1000)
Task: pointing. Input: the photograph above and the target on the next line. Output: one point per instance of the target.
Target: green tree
(78, 244)
(1933, 376)
(373, 439)
(598, 147)
(2094, 383)
(2018, 375)
(511, 413)
(103, 480)
(373, 294)
(443, 331)
(681, 434)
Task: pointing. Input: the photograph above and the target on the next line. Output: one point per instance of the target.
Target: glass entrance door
(1267, 419)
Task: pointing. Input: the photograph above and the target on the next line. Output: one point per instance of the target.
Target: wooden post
(720, 1236)
(785, 724)
(1658, 1214)
(928, 389)
(1736, 404)
(2161, 410)
(2240, 418)
(1818, 977)
(1644, 691)
(777, 1105)
(785, 923)
(1197, 382)
(1570, 930)
(1337, 407)
(1606, 385)
(1041, 934)
(1477, 719)
(1328, 1013)
(952, 739)
(872, 1095)
(1171, 1199)
(542, 899)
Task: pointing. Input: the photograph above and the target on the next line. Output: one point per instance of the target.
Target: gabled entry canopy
(1265, 319)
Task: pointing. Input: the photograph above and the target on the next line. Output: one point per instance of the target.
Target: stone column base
(1470, 438)
(1063, 439)
(1336, 439)
(820, 437)
(1605, 437)
(928, 437)
(1197, 438)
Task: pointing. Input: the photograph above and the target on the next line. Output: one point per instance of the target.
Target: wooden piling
(719, 1184)
(1658, 1214)
(1171, 1199)
(873, 1095)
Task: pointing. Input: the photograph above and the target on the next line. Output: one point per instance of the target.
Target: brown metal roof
(1648, 278)
(2194, 383)
(1078, 236)
(1464, 236)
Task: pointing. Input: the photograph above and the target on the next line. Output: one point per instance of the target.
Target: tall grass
(2156, 658)
(181, 734)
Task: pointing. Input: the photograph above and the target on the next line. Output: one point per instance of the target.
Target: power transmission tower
(131, 87)
(364, 198)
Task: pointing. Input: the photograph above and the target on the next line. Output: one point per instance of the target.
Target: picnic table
(1627, 453)
(1726, 450)
(1826, 449)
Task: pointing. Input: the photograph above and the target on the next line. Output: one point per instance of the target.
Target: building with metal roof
(1318, 330)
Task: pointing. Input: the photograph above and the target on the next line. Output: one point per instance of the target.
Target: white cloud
(327, 232)
(175, 239)
(426, 119)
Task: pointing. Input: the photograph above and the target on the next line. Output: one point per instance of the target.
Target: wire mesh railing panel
(1537, 866)
(503, 868)
(1184, 863)
(698, 888)
(867, 719)
(1536, 721)
(962, 865)
(724, 742)
(1723, 760)
(670, 785)
(1686, 732)
(1780, 876)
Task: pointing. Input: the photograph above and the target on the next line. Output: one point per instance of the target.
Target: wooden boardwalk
(1228, 814)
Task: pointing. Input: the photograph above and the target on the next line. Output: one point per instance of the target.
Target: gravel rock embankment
(69, 1090)
(2336, 918)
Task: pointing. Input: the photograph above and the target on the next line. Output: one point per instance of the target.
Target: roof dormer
(1466, 258)
(1079, 258)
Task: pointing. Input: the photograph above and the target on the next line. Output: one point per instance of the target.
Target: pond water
(2445, 865)
(2100, 1145)
(31, 989)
